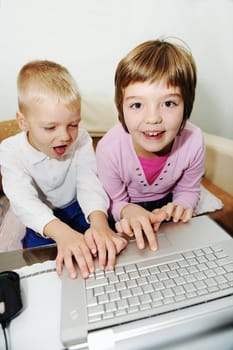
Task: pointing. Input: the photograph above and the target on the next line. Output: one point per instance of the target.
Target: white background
(89, 37)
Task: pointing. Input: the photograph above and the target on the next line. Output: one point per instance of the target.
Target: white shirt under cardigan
(36, 184)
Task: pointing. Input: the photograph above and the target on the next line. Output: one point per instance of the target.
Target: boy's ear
(21, 121)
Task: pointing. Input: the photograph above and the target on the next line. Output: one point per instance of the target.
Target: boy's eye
(49, 128)
(73, 125)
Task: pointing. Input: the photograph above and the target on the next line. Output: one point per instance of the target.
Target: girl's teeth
(152, 133)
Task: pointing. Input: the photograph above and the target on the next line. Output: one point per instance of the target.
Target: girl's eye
(169, 104)
(74, 125)
(136, 105)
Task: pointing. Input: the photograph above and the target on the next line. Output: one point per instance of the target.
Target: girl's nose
(154, 116)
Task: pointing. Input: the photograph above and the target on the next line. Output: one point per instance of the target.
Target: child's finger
(178, 213)
(68, 262)
(188, 213)
(59, 265)
(90, 241)
(151, 237)
(85, 261)
(123, 226)
(168, 208)
(137, 229)
(120, 244)
(156, 217)
(102, 254)
(111, 255)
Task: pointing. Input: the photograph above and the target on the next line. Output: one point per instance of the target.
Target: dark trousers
(71, 215)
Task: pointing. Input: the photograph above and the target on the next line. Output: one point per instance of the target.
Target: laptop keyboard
(158, 285)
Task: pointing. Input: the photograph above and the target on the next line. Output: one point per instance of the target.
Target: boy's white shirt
(35, 184)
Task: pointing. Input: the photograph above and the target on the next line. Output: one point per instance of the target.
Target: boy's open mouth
(60, 150)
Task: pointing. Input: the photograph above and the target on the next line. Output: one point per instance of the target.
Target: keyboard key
(167, 293)
(141, 281)
(90, 283)
(110, 307)
(95, 310)
(131, 284)
(229, 267)
(122, 304)
(133, 301)
(108, 315)
(125, 294)
(137, 291)
(130, 268)
(121, 286)
(144, 273)
(145, 299)
(98, 291)
(114, 296)
(148, 288)
(158, 286)
(198, 252)
(164, 268)
(113, 279)
(103, 299)
(179, 290)
(156, 296)
(133, 275)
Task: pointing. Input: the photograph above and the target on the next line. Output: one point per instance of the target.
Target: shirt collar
(33, 155)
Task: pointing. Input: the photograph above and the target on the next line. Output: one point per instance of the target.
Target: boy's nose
(64, 136)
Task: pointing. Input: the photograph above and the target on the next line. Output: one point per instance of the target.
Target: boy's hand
(106, 243)
(71, 249)
(137, 221)
(177, 212)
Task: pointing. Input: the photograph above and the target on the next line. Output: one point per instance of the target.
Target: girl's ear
(21, 121)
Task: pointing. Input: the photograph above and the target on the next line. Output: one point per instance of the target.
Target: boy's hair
(40, 79)
(152, 61)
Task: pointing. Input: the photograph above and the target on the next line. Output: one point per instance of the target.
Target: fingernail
(85, 275)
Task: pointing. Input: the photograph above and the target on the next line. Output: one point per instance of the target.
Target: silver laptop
(153, 299)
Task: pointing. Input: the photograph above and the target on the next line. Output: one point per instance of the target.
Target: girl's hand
(177, 212)
(106, 243)
(139, 222)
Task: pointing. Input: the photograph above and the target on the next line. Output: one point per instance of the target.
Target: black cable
(6, 335)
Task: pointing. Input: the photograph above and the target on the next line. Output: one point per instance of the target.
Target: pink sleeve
(187, 190)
